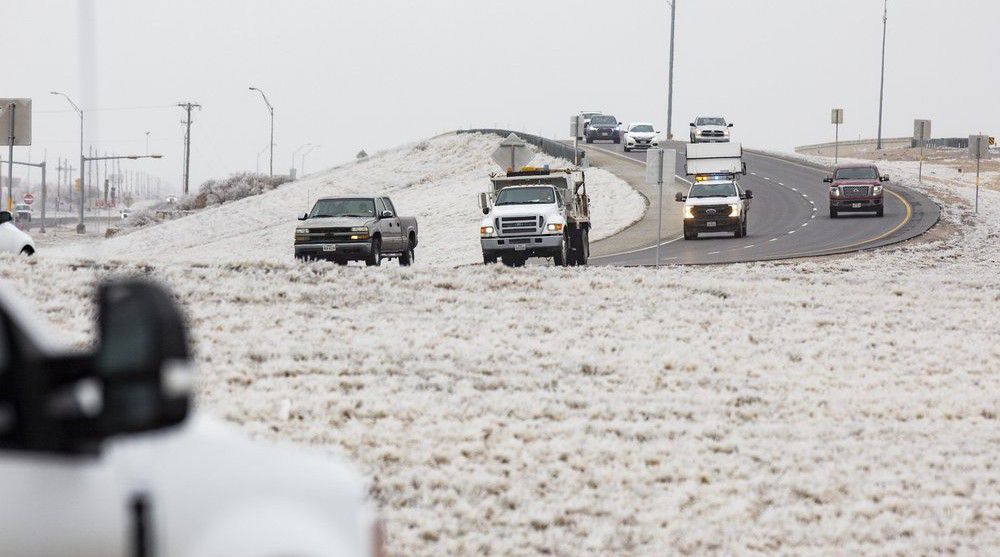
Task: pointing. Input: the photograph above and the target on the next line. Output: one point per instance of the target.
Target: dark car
(356, 228)
(856, 188)
(603, 127)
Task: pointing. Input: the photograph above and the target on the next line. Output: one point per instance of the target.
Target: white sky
(377, 73)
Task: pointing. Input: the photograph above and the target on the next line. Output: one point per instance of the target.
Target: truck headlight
(485, 230)
(834, 192)
(735, 210)
(877, 190)
(302, 231)
(359, 236)
(359, 229)
(555, 227)
(688, 212)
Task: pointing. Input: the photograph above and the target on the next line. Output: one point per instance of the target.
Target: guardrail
(545, 145)
(892, 142)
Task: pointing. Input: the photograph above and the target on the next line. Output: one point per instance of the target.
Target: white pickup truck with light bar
(536, 212)
(716, 202)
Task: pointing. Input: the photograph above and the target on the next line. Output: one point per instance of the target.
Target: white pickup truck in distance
(536, 212)
(99, 456)
(716, 202)
(710, 129)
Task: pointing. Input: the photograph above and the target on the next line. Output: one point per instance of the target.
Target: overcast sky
(373, 74)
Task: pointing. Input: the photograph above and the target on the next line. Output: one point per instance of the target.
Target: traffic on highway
(715, 322)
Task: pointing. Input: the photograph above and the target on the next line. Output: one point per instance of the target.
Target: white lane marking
(748, 247)
(714, 252)
(766, 178)
(795, 189)
(791, 232)
(773, 240)
(780, 184)
(805, 196)
(813, 216)
(805, 224)
(811, 202)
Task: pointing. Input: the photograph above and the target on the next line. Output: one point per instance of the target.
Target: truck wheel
(589, 140)
(880, 212)
(408, 256)
(561, 259)
(690, 235)
(581, 247)
(375, 259)
(489, 259)
(833, 213)
(745, 229)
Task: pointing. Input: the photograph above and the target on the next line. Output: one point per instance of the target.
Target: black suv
(603, 128)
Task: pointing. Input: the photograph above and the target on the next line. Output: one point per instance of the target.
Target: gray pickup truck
(353, 228)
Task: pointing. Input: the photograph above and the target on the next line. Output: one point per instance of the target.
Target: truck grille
(855, 191)
(509, 226)
(712, 133)
(711, 211)
(329, 234)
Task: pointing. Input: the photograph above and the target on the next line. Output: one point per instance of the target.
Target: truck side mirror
(304, 216)
(828, 180)
(730, 125)
(5, 216)
(749, 194)
(691, 124)
(484, 202)
(142, 359)
(884, 178)
(386, 215)
(680, 197)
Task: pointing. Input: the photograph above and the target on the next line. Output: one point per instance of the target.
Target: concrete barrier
(545, 145)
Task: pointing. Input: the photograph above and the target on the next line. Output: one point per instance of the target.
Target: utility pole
(187, 142)
(670, 90)
(271, 109)
(881, 90)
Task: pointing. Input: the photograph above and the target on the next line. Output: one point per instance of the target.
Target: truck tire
(833, 213)
(690, 235)
(589, 140)
(489, 259)
(581, 248)
(561, 259)
(375, 258)
(407, 257)
(743, 230)
(880, 212)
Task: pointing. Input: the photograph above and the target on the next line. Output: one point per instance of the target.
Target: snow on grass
(842, 405)
(437, 181)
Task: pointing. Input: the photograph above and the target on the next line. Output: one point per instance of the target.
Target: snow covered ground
(845, 405)
(436, 180)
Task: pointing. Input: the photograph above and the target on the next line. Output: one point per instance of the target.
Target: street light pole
(271, 109)
(670, 90)
(309, 150)
(881, 89)
(296, 152)
(80, 227)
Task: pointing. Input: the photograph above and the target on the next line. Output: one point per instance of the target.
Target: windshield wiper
(321, 216)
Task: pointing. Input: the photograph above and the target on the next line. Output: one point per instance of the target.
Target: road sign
(576, 126)
(993, 141)
(979, 146)
(28, 199)
(837, 116)
(513, 153)
(921, 130)
(660, 170)
(18, 110)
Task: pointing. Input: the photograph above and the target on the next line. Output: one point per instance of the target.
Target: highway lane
(789, 218)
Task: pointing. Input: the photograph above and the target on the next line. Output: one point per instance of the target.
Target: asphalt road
(788, 218)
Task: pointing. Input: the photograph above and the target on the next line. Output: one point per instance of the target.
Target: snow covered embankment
(435, 180)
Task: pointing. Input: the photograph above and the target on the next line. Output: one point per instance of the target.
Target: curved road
(789, 218)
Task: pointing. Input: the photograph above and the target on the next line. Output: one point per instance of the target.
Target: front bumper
(864, 204)
(529, 246)
(720, 224)
(347, 251)
(642, 145)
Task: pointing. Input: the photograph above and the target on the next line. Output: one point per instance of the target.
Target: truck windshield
(712, 190)
(863, 173)
(602, 120)
(710, 122)
(361, 207)
(642, 128)
(526, 196)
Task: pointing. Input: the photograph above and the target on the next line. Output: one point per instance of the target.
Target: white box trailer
(714, 158)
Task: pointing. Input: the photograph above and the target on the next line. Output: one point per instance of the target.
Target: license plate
(710, 223)
(520, 247)
(856, 205)
(329, 247)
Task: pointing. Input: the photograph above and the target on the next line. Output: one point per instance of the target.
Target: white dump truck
(536, 212)
(716, 202)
